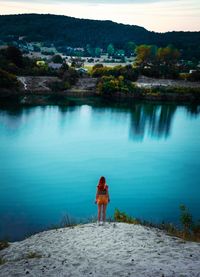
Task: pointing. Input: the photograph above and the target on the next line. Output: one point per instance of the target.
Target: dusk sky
(155, 15)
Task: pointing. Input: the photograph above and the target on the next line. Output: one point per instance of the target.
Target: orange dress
(102, 196)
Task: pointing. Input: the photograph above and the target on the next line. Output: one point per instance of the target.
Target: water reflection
(146, 119)
(155, 120)
(193, 109)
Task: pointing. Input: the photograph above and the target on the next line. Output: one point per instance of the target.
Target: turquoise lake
(52, 157)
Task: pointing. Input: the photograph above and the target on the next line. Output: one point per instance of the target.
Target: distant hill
(69, 31)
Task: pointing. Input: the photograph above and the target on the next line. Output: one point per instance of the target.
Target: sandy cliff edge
(115, 249)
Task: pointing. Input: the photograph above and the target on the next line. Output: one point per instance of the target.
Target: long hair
(101, 184)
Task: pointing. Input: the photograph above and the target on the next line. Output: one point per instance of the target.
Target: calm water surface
(51, 159)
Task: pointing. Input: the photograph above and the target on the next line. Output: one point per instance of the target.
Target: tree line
(66, 31)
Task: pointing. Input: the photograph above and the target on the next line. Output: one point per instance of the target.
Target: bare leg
(104, 212)
(99, 212)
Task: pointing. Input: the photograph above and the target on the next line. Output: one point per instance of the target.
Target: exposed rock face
(40, 85)
(35, 84)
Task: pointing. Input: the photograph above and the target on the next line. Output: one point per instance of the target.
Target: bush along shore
(127, 82)
(189, 230)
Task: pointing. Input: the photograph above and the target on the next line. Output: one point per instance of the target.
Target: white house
(55, 65)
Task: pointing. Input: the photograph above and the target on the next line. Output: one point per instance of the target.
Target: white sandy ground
(115, 249)
(146, 82)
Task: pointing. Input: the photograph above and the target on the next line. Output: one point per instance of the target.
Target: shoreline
(36, 91)
(113, 249)
(63, 97)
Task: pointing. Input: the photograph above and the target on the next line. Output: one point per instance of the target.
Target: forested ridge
(69, 31)
(73, 31)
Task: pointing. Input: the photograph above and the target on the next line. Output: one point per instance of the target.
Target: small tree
(57, 59)
(186, 219)
(110, 49)
(89, 50)
(144, 55)
(130, 48)
(168, 55)
(98, 52)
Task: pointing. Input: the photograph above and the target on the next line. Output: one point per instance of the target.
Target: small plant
(169, 227)
(67, 222)
(3, 244)
(123, 217)
(186, 219)
(33, 255)
(190, 231)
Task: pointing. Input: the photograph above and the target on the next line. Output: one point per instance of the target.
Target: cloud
(92, 1)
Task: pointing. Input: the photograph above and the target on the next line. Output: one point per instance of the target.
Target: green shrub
(190, 231)
(59, 86)
(123, 217)
(110, 84)
(128, 72)
(185, 218)
(57, 59)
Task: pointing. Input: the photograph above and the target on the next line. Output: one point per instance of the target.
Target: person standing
(102, 199)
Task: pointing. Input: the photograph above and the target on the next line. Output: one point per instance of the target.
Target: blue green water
(51, 159)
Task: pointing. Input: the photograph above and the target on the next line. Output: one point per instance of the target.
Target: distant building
(192, 71)
(82, 70)
(55, 66)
